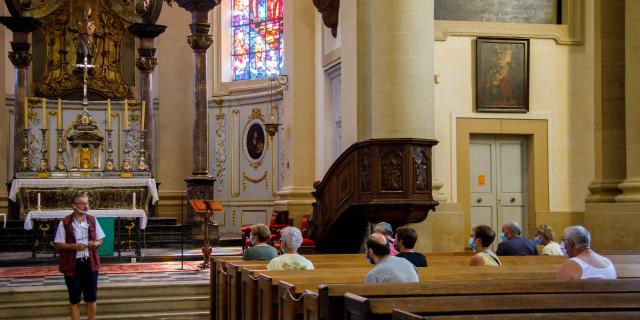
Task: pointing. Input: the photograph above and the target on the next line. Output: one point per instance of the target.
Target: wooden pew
(397, 314)
(276, 293)
(221, 275)
(249, 284)
(326, 301)
(449, 298)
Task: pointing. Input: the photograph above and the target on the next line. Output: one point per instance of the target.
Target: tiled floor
(188, 274)
(195, 275)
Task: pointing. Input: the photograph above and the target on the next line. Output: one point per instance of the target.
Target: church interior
(189, 121)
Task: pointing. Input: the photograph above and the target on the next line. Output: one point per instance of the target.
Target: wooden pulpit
(206, 208)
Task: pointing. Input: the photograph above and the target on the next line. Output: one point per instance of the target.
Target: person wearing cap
(386, 230)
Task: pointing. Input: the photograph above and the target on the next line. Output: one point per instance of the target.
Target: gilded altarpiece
(71, 27)
(248, 163)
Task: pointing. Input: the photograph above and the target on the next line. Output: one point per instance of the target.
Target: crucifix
(86, 67)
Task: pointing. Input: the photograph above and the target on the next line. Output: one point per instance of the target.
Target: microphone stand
(181, 233)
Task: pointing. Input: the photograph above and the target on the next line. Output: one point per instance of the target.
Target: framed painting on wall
(502, 75)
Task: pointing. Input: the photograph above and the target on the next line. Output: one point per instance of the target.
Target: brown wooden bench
(277, 292)
(326, 301)
(221, 277)
(449, 298)
(397, 314)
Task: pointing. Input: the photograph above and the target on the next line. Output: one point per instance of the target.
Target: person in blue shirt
(513, 244)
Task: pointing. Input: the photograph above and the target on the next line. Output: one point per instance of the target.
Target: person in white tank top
(584, 263)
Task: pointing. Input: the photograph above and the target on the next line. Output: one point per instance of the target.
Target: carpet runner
(41, 271)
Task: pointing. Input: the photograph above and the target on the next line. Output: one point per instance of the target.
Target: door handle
(479, 200)
(513, 200)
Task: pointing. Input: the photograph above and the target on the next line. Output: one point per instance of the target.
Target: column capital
(146, 64)
(20, 59)
(144, 30)
(200, 41)
(198, 5)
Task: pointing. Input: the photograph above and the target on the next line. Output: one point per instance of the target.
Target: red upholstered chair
(308, 245)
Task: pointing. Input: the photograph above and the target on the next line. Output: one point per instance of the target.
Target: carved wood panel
(392, 171)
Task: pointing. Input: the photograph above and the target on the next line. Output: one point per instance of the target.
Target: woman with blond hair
(259, 249)
(545, 237)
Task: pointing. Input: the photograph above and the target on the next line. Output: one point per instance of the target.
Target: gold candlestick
(43, 167)
(60, 166)
(142, 165)
(26, 156)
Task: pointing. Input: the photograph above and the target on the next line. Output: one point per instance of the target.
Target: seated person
(259, 249)
(386, 230)
(406, 238)
(290, 241)
(545, 237)
(513, 244)
(480, 240)
(388, 268)
(584, 262)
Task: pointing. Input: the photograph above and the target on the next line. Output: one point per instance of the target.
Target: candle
(38, 199)
(26, 112)
(109, 114)
(126, 115)
(59, 113)
(142, 115)
(44, 113)
(134, 199)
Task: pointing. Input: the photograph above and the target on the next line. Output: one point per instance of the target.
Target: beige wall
(561, 90)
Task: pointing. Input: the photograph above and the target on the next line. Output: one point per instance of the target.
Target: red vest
(68, 257)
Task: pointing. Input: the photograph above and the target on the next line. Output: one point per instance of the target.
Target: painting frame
(502, 75)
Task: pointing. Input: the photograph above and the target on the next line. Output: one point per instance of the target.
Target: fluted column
(631, 186)
(146, 63)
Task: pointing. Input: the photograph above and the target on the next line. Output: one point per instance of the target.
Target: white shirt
(590, 272)
(552, 249)
(81, 232)
(290, 261)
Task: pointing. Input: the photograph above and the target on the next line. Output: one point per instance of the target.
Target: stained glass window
(257, 48)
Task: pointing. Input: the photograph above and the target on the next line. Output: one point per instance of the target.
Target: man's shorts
(84, 282)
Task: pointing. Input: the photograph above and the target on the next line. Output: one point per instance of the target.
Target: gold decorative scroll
(265, 178)
(62, 29)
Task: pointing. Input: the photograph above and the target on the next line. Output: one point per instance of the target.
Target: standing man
(77, 239)
(513, 244)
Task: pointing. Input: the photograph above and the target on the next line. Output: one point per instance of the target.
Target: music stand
(207, 208)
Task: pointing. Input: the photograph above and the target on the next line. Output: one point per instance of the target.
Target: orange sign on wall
(482, 180)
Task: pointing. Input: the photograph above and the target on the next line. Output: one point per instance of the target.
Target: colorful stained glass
(257, 49)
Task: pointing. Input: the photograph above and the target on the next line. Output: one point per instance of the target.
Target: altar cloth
(59, 214)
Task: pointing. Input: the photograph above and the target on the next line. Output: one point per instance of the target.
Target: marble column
(610, 165)
(21, 59)
(200, 40)
(631, 186)
(146, 63)
(200, 183)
